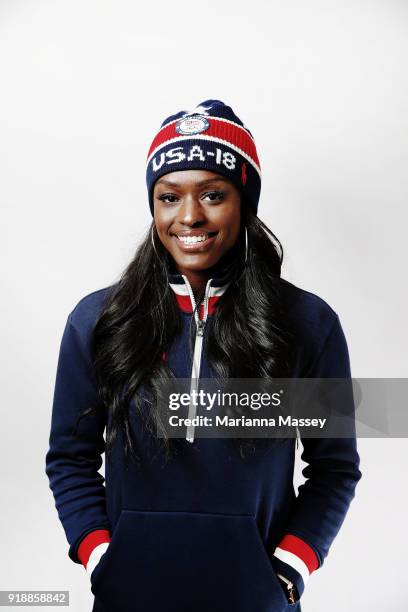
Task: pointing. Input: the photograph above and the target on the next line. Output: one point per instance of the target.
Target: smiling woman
(197, 216)
(196, 523)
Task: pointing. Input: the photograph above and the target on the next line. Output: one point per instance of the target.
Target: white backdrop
(85, 85)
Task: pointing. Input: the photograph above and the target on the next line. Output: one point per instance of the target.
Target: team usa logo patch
(193, 124)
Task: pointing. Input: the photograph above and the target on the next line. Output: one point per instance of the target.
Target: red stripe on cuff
(91, 541)
(302, 550)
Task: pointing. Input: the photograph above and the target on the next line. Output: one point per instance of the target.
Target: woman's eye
(214, 195)
(168, 197)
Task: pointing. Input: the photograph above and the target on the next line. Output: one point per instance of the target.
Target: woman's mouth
(196, 242)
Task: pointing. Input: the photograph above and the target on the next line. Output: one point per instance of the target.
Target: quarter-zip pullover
(209, 531)
(215, 287)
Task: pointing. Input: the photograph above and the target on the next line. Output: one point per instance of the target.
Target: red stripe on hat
(298, 547)
(231, 132)
(91, 541)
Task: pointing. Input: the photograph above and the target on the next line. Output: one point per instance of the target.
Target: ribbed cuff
(90, 542)
(296, 560)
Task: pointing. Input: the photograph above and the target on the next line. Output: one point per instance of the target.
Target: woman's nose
(191, 210)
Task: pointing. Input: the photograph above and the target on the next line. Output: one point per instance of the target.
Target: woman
(195, 524)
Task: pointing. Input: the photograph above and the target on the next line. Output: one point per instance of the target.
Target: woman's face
(197, 216)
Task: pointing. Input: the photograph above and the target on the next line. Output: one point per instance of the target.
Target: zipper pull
(200, 327)
(290, 587)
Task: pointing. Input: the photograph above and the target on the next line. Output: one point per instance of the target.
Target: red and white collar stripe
(184, 300)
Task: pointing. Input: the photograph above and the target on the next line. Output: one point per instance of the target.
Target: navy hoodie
(208, 531)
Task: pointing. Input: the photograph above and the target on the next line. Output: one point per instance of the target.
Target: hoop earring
(152, 239)
(246, 245)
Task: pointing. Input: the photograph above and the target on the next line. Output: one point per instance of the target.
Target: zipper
(291, 597)
(198, 349)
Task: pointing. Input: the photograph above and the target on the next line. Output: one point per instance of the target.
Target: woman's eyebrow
(198, 184)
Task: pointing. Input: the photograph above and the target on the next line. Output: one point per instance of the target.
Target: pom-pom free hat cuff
(210, 137)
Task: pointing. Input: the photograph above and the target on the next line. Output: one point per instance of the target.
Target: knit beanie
(209, 137)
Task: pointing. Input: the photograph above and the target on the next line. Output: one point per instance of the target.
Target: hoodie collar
(216, 286)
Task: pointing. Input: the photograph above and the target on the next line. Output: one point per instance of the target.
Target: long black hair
(250, 336)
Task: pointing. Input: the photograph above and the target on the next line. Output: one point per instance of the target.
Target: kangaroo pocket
(186, 562)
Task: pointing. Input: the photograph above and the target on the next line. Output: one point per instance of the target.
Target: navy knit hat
(209, 137)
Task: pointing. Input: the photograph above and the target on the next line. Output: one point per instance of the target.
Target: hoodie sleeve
(75, 448)
(332, 473)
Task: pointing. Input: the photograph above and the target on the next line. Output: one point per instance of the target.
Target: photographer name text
(243, 421)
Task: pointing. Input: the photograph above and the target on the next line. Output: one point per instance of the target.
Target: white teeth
(192, 239)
